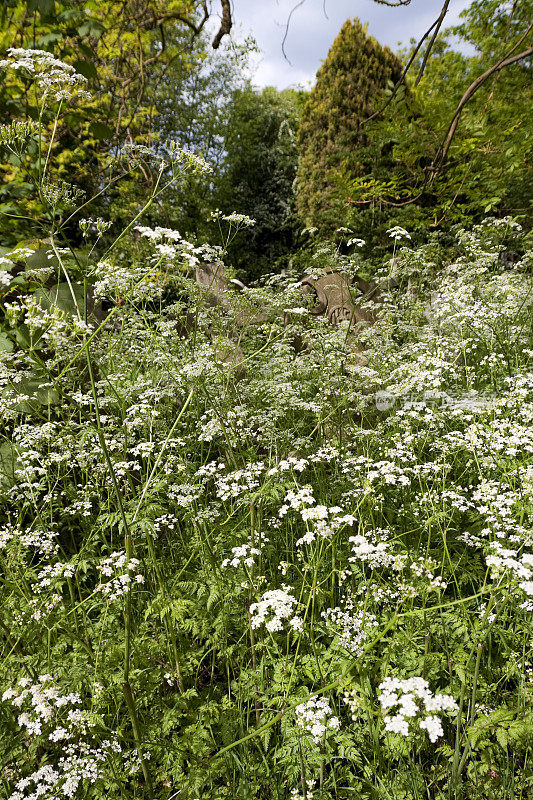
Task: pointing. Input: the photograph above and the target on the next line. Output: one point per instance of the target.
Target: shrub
(349, 87)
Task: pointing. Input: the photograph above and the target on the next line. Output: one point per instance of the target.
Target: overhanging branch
(437, 24)
(472, 89)
(225, 23)
(429, 48)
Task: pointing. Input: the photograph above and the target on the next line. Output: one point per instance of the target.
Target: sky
(311, 32)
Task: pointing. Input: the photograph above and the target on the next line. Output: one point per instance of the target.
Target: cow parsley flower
(242, 555)
(275, 606)
(316, 718)
(295, 793)
(398, 233)
(233, 218)
(53, 77)
(352, 625)
(123, 573)
(412, 699)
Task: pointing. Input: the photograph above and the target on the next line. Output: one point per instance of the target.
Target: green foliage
(123, 53)
(266, 561)
(389, 171)
(349, 87)
(258, 174)
(191, 104)
(487, 167)
(151, 505)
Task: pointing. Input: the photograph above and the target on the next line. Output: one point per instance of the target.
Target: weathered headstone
(341, 299)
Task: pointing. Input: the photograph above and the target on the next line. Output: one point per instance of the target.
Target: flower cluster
(123, 572)
(5, 276)
(53, 77)
(80, 763)
(275, 606)
(233, 484)
(61, 193)
(56, 717)
(506, 560)
(170, 245)
(98, 226)
(44, 542)
(316, 718)
(413, 700)
(244, 554)
(240, 220)
(352, 624)
(310, 785)
(374, 548)
(17, 132)
(321, 520)
(398, 233)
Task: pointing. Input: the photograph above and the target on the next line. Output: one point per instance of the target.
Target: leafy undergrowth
(256, 560)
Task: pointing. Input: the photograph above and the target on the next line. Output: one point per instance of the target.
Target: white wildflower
(275, 606)
(316, 718)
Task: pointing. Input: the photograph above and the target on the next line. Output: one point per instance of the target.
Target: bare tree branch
(157, 20)
(225, 23)
(437, 23)
(432, 42)
(442, 153)
(300, 3)
(393, 3)
(390, 3)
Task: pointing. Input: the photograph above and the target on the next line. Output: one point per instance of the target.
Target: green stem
(162, 450)
(130, 702)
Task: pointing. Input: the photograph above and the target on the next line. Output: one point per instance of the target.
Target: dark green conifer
(349, 87)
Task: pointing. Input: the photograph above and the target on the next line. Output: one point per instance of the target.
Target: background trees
(154, 76)
(125, 50)
(371, 157)
(349, 87)
(259, 171)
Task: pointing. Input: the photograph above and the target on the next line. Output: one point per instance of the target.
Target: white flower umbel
(412, 700)
(233, 218)
(53, 77)
(244, 555)
(373, 548)
(316, 718)
(44, 542)
(235, 484)
(398, 233)
(123, 572)
(295, 793)
(275, 606)
(352, 624)
(56, 717)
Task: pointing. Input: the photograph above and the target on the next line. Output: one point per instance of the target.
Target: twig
(393, 3)
(300, 3)
(429, 48)
(402, 76)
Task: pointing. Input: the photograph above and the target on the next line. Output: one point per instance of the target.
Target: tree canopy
(124, 50)
(349, 86)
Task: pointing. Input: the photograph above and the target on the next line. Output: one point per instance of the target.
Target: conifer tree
(349, 87)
